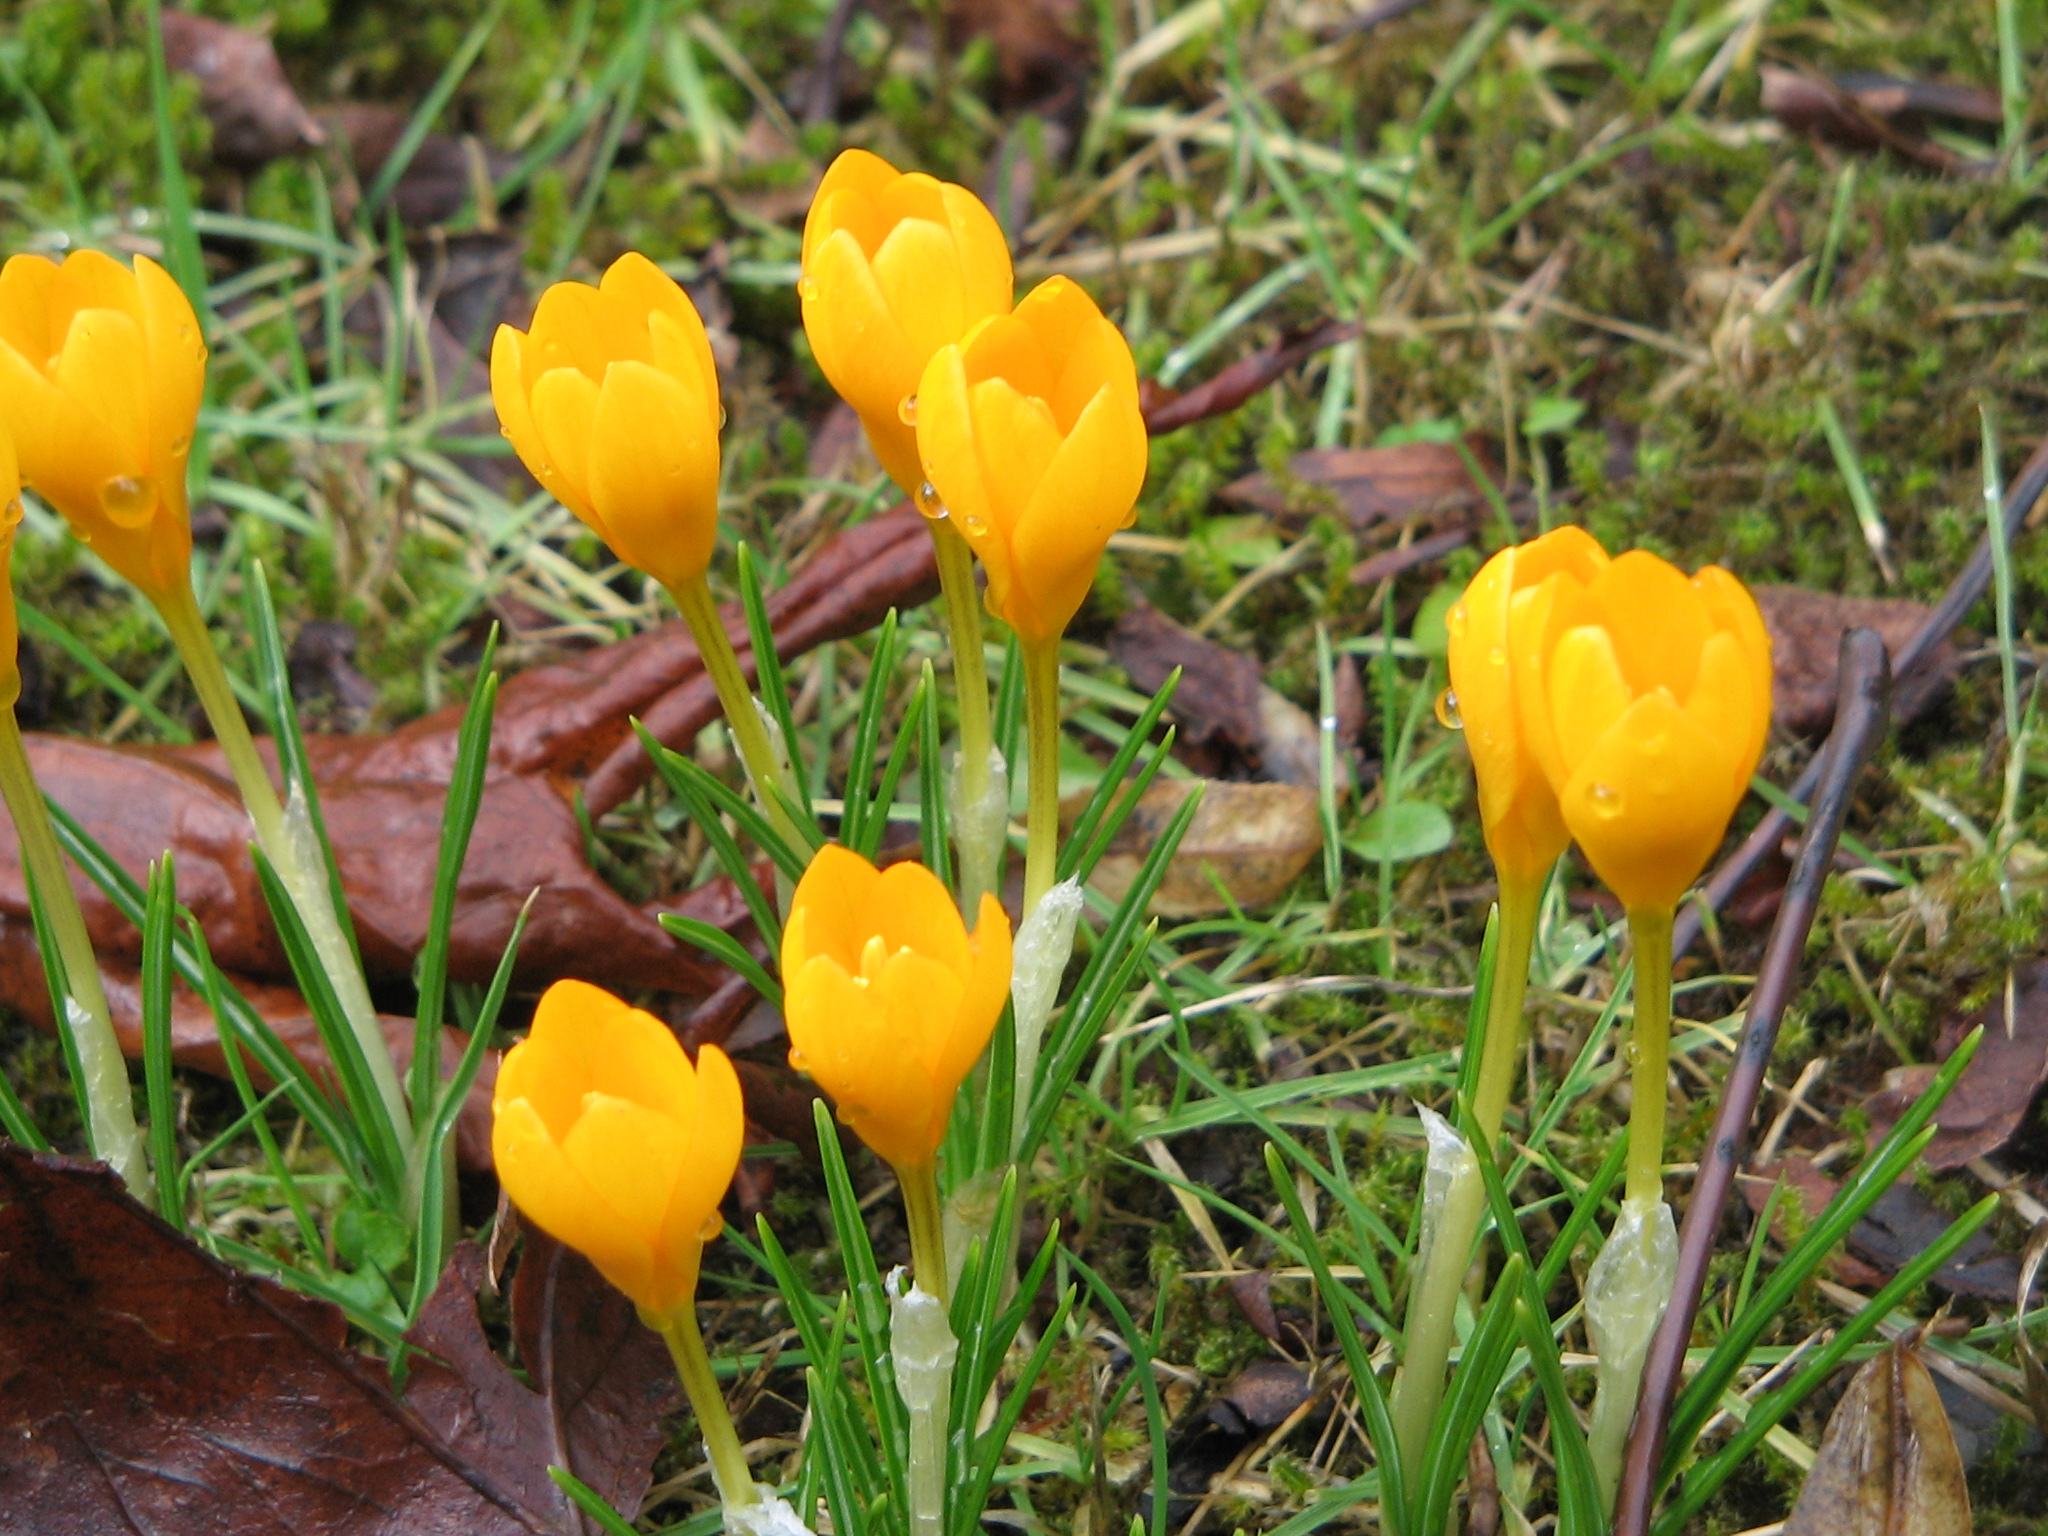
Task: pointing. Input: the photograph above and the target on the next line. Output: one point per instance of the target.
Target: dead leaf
(1866, 112)
(1888, 1464)
(1812, 1190)
(1042, 49)
(599, 1381)
(1900, 1225)
(146, 1386)
(1261, 1396)
(1989, 1102)
(257, 117)
(438, 181)
(1167, 410)
(1253, 839)
(1217, 703)
(1370, 486)
(1806, 630)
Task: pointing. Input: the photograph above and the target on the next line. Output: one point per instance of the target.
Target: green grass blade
(156, 1039)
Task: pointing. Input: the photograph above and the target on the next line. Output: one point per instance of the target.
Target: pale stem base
(1433, 1296)
(109, 1098)
(922, 1345)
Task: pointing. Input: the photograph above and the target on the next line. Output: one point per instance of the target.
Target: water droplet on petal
(797, 1062)
(906, 410)
(128, 501)
(181, 445)
(184, 333)
(721, 415)
(974, 525)
(1606, 800)
(807, 288)
(928, 501)
(1447, 714)
(1456, 620)
(1497, 656)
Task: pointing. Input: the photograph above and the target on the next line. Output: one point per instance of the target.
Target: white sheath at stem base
(1038, 960)
(981, 828)
(1453, 1201)
(1626, 1293)
(922, 1345)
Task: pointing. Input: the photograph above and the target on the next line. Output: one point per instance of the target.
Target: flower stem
(1649, 1053)
(109, 1097)
(293, 853)
(979, 856)
(1042, 718)
(729, 1469)
(736, 699)
(1433, 1295)
(925, 1215)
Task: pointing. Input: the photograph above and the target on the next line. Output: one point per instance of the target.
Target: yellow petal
(1588, 693)
(853, 1049)
(988, 982)
(835, 902)
(951, 459)
(177, 373)
(631, 1156)
(639, 290)
(683, 352)
(515, 414)
(637, 1058)
(1650, 802)
(90, 279)
(1016, 440)
(854, 331)
(25, 285)
(1732, 610)
(1655, 619)
(564, 406)
(1004, 347)
(65, 453)
(912, 909)
(561, 1202)
(575, 326)
(846, 199)
(1097, 358)
(987, 285)
(918, 271)
(717, 1134)
(1569, 549)
(1086, 494)
(1724, 702)
(104, 368)
(654, 473)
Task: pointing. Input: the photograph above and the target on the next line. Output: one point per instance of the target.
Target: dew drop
(928, 501)
(1447, 714)
(906, 410)
(807, 288)
(721, 416)
(971, 523)
(1606, 800)
(184, 333)
(127, 500)
(1497, 656)
(1456, 620)
(797, 1062)
(181, 445)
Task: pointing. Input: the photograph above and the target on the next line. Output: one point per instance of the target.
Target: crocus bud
(611, 399)
(1525, 830)
(1645, 697)
(888, 1000)
(1031, 434)
(611, 1141)
(10, 520)
(101, 372)
(895, 267)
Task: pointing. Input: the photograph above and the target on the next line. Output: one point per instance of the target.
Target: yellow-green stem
(729, 1469)
(970, 673)
(299, 868)
(1042, 720)
(1433, 1295)
(1649, 1051)
(109, 1098)
(736, 699)
(924, 1213)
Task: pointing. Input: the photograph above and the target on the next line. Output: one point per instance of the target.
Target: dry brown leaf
(1888, 1464)
(257, 117)
(1369, 486)
(1989, 1102)
(1806, 638)
(1253, 839)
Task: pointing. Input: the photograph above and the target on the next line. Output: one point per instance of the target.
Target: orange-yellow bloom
(611, 399)
(10, 520)
(1645, 698)
(895, 267)
(611, 1140)
(1031, 433)
(101, 372)
(888, 1000)
(1525, 830)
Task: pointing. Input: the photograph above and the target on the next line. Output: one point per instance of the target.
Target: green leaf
(1402, 831)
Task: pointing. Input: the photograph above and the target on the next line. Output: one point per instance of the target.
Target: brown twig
(1861, 712)
(1963, 592)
